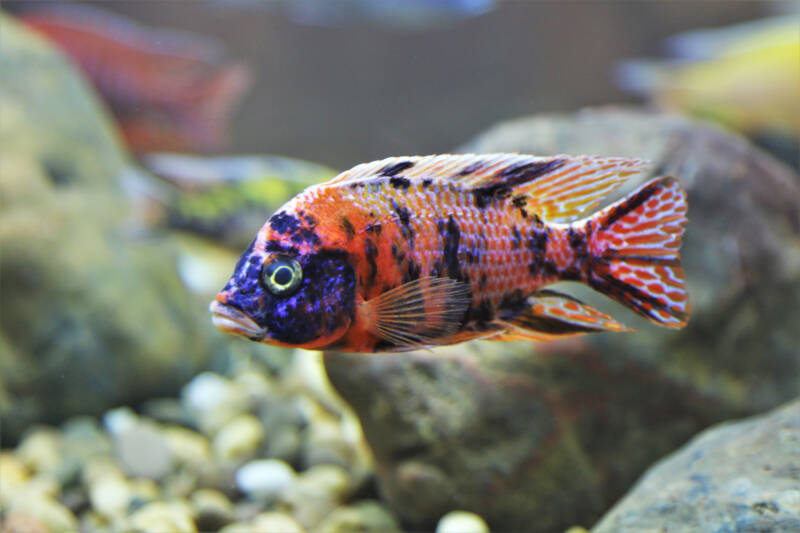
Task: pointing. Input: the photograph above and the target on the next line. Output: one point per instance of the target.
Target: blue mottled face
(288, 298)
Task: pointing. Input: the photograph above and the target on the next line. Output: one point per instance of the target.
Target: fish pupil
(282, 276)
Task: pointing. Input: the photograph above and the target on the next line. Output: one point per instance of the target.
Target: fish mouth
(231, 320)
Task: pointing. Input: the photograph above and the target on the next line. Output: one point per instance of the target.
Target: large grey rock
(92, 315)
(742, 476)
(539, 437)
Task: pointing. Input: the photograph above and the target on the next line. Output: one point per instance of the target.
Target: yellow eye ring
(282, 275)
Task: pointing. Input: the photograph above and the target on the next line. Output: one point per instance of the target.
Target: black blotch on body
(277, 246)
(452, 238)
(480, 314)
(400, 182)
(371, 253)
(537, 243)
(391, 170)
(514, 302)
(306, 235)
(284, 223)
(398, 255)
(348, 228)
(404, 216)
(516, 238)
(426, 183)
(374, 229)
(412, 272)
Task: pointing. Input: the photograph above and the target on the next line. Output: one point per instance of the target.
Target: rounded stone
(239, 439)
(47, 511)
(265, 479)
(366, 517)
(143, 451)
(175, 517)
(212, 509)
(110, 496)
(189, 448)
(213, 400)
(13, 475)
(120, 420)
(275, 521)
(461, 522)
(40, 450)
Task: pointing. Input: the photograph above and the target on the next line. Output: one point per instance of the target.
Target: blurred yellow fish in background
(746, 76)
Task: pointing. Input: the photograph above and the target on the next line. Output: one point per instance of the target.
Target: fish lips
(231, 320)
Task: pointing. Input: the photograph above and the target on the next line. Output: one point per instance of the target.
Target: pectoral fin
(419, 313)
(552, 315)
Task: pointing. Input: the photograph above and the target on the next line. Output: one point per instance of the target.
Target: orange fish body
(423, 251)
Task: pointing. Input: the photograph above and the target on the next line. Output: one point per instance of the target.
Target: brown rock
(539, 437)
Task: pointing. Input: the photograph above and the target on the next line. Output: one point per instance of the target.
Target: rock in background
(93, 313)
(537, 437)
(741, 476)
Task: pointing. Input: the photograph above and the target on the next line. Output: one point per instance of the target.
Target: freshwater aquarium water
(452, 266)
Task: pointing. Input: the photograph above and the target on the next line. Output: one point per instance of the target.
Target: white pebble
(144, 451)
(461, 522)
(206, 391)
(119, 420)
(265, 478)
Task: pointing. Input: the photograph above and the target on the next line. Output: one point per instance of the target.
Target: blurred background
(142, 145)
(343, 82)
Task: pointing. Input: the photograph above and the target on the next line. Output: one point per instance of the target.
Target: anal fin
(552, 315)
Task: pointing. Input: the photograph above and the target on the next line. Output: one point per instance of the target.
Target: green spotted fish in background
(224, 198)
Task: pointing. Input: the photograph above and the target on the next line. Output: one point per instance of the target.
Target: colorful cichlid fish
(167, 89)
(421, 251)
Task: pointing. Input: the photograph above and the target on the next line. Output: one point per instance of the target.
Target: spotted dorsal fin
(556, 188)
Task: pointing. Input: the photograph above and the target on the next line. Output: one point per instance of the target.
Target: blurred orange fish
(169, 91)
(422, 251)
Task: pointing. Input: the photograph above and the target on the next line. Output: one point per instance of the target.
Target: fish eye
(282, 275)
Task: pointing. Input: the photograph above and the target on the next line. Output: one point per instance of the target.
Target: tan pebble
(145, 489)
(188, 447)
(13, 476)
(461, 522)
(239, 439)
(212, 509)
(40, 450)
(175, 517)
(17, 523)
(367, 516)
(47, 511)
(211, 498)
(110, 496)
(274, 521)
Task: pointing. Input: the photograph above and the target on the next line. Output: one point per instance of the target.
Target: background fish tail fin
(635, 260)
(209, 110)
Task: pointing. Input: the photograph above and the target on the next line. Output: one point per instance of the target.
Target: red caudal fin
(634, 246)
